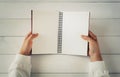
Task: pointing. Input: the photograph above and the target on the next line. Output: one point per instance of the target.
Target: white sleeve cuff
(98, 65)
(98, 69)
(22, 59)
(20, 66)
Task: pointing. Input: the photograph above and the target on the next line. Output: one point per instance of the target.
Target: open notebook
(60, 32)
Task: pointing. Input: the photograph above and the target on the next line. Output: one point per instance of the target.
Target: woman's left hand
(27, 44)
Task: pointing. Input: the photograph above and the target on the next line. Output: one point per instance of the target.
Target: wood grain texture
(6, 62)
(4, 75)
(105, 21)
(68, 75)
(22, 10)
(109, 45)
(70, 64)
(81, 1)
(59, 64)
(14, 27)
(52, 75)
(61, 75)
(10, 45)
(20, 27)
(105, 27)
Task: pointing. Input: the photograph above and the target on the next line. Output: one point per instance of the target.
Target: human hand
(27, 44)
(94, 50)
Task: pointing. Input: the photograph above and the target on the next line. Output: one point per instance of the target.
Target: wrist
(96, 58)
(24, 53)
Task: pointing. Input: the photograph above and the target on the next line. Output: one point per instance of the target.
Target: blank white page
(46, 24)
(75, 24)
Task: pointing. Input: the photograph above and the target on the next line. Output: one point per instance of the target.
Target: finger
(89, 39)
(28, 35)
(92, 35)
(31, 37)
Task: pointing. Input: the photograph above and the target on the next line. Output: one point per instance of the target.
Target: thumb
(87, 38)
(33, 36)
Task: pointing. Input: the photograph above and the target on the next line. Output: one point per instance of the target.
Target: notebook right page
(75, 24)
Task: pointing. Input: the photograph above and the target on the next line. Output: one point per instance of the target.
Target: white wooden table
(104, 22)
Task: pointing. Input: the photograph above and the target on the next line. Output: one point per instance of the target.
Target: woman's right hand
(94, 50)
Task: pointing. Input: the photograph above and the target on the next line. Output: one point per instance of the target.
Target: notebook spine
(59, 49)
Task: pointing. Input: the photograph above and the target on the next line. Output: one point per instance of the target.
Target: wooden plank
(52, 75)
(10, 45)
(109, 45)
(20, 27)
(105, 27)
(49, 63)
(61, 75)
(114, 75)
(112, 63)
(3, 75)
(68, 75)
(86, 1)
(14, 27)
(65, 64)
(59, 64)
(6, 60)
(70, 64)
(22, 10)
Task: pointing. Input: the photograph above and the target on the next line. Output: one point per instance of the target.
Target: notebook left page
(46, 24)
